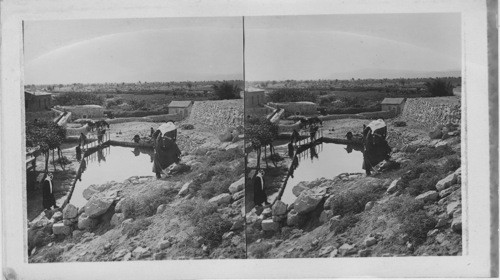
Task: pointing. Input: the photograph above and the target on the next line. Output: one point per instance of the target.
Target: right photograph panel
(353, 135)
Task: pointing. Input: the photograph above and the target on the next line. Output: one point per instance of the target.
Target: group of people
(166, 151)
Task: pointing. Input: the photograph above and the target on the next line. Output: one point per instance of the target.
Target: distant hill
(393, 74)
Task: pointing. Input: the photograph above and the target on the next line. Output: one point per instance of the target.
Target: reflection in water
(110, 164)
(334, 160)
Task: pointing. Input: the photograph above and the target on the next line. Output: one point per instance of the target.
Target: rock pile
(433, 111)
(217, 115)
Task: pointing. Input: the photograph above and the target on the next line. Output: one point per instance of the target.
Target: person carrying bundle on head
(375, 146)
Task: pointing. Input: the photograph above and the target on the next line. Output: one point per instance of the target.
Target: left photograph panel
(134, 139)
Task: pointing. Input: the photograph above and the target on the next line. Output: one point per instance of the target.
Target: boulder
(448, 191)
(369, 205)
(228, 235)
(238, 224)
(428, 196)
(393, 186)
(239, 195)
(446, 182)
(98, 205)
(453, 207)
(61, 229)
(77, 234)
(293, 218)
(140, 252)
(299, 188)
(85, 222)
(325, 216)
(237, 186)
(236, 240)
(70, 212)
(347, 249)
(456, 224)
(325, 250)
(89, 192)
(279, 218)
(161, 208)
(57, 216)
(307, 201)
(441, 222)
(370, 241)
(328, 202)
(39, 222)
(436, 134)
(221, 199)
(119, 206)
(365, 253)
(164, 244)
(279, 208)
(117, 219)
(185, 189)
(270, 225)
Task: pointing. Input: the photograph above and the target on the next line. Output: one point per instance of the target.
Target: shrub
(146, 204)
(211, 229)
(187, 126)
(452, 163)
(428, 153)
(353, 202)
(259, 250)
(225, 156)
(218, 185)
(426, 182)
(416, 225)
(53, 253)
(227, 90)
(399, 123)
(346, 222)
(136, 227)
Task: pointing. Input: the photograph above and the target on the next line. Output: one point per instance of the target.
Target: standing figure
(290, 149)
(82, 140)
(78, 153)
(375, 147)
(295, 136)
(259, 195)
(152, 132)
(48, 193)
(136, 138)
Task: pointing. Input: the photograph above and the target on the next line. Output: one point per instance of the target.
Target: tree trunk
(47, 155)
(265, 156)
(259, 152)
(271, 149)
(54, 160)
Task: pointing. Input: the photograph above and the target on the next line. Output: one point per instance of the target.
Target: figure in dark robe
(82, 140)
(290, 149)
(375, 147)
(78, 153)
(136, 138)
(259, 194)
(166, 153)
(295, 136)
(48, 193)
(151, 133)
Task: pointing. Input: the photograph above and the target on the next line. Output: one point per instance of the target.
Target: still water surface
(324, 160)
(112, 164)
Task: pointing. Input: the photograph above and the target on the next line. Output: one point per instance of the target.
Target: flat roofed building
(182, 108)
(395, 105)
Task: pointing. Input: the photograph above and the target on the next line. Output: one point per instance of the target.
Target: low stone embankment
(217, 116)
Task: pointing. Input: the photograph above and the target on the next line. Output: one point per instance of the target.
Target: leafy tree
(439, 87)
(227, 90)
(261, 132)
(47, 135)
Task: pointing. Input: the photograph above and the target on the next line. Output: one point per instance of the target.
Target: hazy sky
(285, 47)
(319, 47)
(175, 49)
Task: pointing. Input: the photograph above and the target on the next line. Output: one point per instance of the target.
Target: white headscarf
(49, 178)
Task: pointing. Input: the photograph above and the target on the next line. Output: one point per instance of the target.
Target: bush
(136, 227)
(346, 222)
(426, 182)
(428, 153)
(399, 123)
(218, 185)
(146, 204)
(227, 90)
(353, 202)
(225, 156)
(416, 225)
(259, 250)
(53, 254)
(211, 229)
(187, 126)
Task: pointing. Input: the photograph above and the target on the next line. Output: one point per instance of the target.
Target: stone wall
(433, 111)
(217, 115)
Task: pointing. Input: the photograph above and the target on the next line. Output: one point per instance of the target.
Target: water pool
(323, 160)
(112, 163)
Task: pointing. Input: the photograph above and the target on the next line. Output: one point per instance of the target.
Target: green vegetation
(292, 95)
(227, 90)
(78, 98)
(439, 87)
(211, 229)
(145, 204)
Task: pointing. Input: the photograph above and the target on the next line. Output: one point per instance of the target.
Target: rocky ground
(409, 208)
(194, 212)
